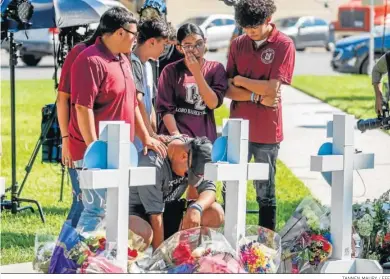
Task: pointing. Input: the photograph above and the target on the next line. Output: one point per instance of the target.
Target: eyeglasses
(131, 32)
(198, 46)
(251, 26)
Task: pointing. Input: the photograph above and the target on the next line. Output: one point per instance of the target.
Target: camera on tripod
(382, 122)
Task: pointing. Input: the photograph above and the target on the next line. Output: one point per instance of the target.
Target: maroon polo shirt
(274, 59)
(64, 85)
(104, 83)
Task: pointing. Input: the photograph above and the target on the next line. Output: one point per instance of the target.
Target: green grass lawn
(18, 231)
(353, 94)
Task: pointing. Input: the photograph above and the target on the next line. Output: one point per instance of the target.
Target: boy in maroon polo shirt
(103, 89)
(260, 61)
(102, 86)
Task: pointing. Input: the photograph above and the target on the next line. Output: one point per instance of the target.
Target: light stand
(14, 203)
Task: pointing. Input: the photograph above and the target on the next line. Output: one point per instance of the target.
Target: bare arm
(268, 88)
(156, 221)
(86, 122)
(140, 128)
(63, 112)
(170, 123)
(144, 114)
(142, 133)
(379, 69)
(63, 120)
(206, 199)
(209, 97)
(153, 120)
(237, 94)
(192, 218)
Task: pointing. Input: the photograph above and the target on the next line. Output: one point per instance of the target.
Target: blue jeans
(265, 189)
(77, 204)
(94, 204)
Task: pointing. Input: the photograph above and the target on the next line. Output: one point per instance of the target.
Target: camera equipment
(19, 12)
(382, 122)
(51, 146)
(50, 140)
(16, 15)
(68, 38)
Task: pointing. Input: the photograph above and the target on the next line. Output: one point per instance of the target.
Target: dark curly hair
(250, 13)
(152, 28)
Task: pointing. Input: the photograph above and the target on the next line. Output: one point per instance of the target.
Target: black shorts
(172, 216)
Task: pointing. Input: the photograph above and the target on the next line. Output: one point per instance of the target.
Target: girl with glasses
(191, 88)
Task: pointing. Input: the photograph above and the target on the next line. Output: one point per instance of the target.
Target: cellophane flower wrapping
(101, 262)
(196, 250)
(371, 220)
(43, 250)
(260, 250)
(79, 251)
(306, 239)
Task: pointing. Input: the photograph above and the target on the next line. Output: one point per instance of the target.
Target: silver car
(35, 44)
(307, 31)
(218, 29)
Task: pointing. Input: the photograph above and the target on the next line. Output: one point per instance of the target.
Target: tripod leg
(25, 208)
(62, 182)
(38, 205)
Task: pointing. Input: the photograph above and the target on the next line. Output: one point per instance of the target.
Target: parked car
(304, 31)
(218, 29)
(307, 31)
(351, 53)
(40, 42)
(35, 44)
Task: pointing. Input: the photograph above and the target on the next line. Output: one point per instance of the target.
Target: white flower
(365, 225)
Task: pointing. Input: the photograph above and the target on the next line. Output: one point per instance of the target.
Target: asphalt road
(311, 62)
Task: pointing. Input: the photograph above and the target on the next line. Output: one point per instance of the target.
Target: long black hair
(188, 29)
(91, 38)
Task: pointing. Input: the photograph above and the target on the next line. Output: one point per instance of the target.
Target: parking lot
(311, 62)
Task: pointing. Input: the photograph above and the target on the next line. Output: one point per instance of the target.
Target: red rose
(132, 253)
(387, 237)
(316, 237)
(182, 254)
(326, 246)
(102, 243)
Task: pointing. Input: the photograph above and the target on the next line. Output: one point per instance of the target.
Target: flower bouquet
(260, 250)
(306, 241)
(197, 250)
(44, 247)
(87, 252)
(372, 222)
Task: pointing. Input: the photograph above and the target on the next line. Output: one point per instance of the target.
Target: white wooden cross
(342, 164)
(236, 172)
(117, 179)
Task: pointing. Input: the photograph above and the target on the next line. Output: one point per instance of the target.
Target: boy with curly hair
(260, 61)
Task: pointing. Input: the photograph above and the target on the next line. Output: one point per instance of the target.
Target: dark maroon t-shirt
(104, 83)
(274, 59)
(65, 78)
(178, 94)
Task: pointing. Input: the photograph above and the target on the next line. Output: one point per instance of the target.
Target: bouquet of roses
(196, 250)
(260, 250)
(306, 241)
